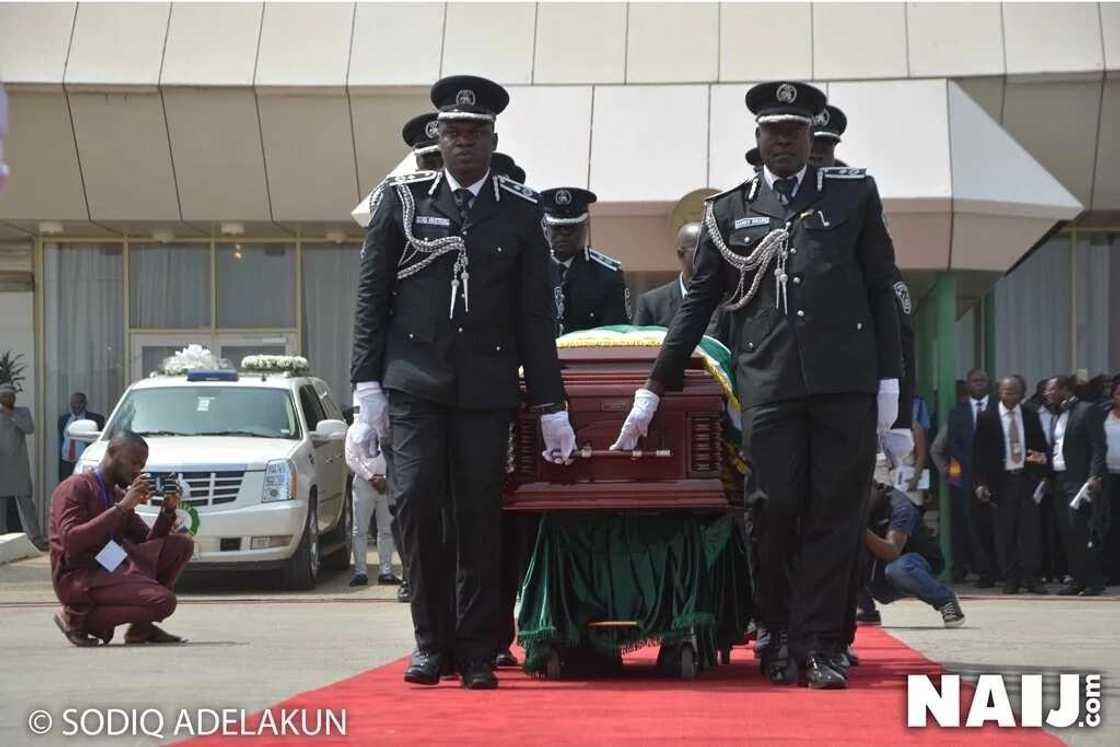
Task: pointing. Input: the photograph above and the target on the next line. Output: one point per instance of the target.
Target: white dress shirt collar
(684, 288)
(474, 189)
(771, 177)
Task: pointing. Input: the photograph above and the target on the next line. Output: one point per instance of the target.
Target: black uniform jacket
(659, 306)
(405, 335)
(841, 330)
(594, 293)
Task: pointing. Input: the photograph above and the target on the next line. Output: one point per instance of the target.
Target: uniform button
(750, 346)
(801, 313)
(793, 251)
(859, 325)
(499, 250)
(410, 335)
(592, 314)
(460, 330)
(796, 280)
(498, 349)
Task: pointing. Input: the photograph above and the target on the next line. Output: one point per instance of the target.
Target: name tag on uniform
(432, 220)
(759, 220)
(111, 556)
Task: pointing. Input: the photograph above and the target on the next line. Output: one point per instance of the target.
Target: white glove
(559, 438)
(897, 443)
(637, 422)
(372, 417)
(888, 403)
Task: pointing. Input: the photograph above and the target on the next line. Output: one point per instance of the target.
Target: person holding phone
(108, 566)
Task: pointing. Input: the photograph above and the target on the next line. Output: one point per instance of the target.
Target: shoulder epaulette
(517, 188)
(726, 192)
(609, 262)
(415, 176)
(839, 172)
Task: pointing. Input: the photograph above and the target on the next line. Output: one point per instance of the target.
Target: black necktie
(463, 199)
(784, 188)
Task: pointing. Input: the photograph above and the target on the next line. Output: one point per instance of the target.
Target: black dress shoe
(853, 657)
(505, 659)
(1071, 590)
(424, 668)
(359, 579)
(839, 662)
(388, 579)
(403, 593)
(780, 670)
(817, 674)
(1092, 591)
(477, 674)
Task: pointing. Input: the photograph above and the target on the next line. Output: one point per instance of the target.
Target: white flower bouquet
(190, 358)
(293, 364)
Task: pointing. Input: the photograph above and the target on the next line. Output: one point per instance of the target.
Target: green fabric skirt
(679, 576)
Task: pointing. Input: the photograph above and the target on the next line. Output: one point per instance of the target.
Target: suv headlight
(280, 481)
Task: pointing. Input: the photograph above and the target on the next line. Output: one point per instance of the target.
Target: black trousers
(395, 524)
(813, 460)
(1018, 528)
(1053, 543)
(451, 461)
(1112, 543)
(959, 520)
(1084, 550)
(973, 524)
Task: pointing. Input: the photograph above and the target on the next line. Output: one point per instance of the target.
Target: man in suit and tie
(1009, 460)
(70, 450)
(658, 306)
(1077, 457)
(971, 520)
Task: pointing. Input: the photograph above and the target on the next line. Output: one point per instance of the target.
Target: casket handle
(586, 452)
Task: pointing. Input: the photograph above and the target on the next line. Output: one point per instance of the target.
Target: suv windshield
(207, 411)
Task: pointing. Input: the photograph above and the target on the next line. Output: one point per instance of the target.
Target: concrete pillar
(945, 317)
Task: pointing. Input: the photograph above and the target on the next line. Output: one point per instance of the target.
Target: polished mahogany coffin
(677, 465)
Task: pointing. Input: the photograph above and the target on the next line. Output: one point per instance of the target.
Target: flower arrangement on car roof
(292, 364)
(191, 358)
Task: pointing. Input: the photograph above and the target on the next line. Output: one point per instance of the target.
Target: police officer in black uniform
(421, 133)
(828, 127)
(500, 163)
(453, 298)
(590, 289)
(801, 257)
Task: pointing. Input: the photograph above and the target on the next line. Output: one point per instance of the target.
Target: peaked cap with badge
(469, 97)
(830, 123)
(421, 133)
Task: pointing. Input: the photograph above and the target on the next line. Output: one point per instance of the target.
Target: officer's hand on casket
(637, 422)
(559, 438)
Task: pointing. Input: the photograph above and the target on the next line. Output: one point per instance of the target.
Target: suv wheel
(339, 560)
(303, 566)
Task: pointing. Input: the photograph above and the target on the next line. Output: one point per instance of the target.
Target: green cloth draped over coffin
(677, 576)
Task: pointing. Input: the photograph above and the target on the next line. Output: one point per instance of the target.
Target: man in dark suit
(589, 287)
(805, 264)
(658, 306)
(1077, 458)
(971, 521)
(70, 450)
(1009, 460)
(453, 298)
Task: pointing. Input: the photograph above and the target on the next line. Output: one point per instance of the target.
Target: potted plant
(11, 369)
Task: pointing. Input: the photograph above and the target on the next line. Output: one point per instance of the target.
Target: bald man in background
(658, 306)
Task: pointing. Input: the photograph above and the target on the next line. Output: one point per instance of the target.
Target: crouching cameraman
(905, 557)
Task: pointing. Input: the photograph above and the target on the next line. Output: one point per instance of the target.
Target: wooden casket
(676, 466)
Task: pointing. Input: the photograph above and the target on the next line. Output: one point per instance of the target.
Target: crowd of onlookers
(1034, 481)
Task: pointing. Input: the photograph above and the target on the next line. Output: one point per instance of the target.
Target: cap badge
(465, 97)
(787, 94)
(432, 129)
(563, 197)
(823, 118)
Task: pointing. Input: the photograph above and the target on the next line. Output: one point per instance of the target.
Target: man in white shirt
(1009, 460)
(69, 449)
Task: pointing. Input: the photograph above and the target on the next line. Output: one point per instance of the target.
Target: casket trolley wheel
(678, 660)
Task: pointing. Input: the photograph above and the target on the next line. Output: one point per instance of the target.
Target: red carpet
(731, 704)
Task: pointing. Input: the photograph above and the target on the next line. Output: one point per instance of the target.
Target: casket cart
(636, 547)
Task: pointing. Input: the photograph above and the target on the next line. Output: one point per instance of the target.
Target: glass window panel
(1032, 336)
(330, 283)
(83, 287)
(1095, 254)
(256, 286)
(169, 286)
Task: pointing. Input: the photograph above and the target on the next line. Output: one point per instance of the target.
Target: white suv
(261, 456)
